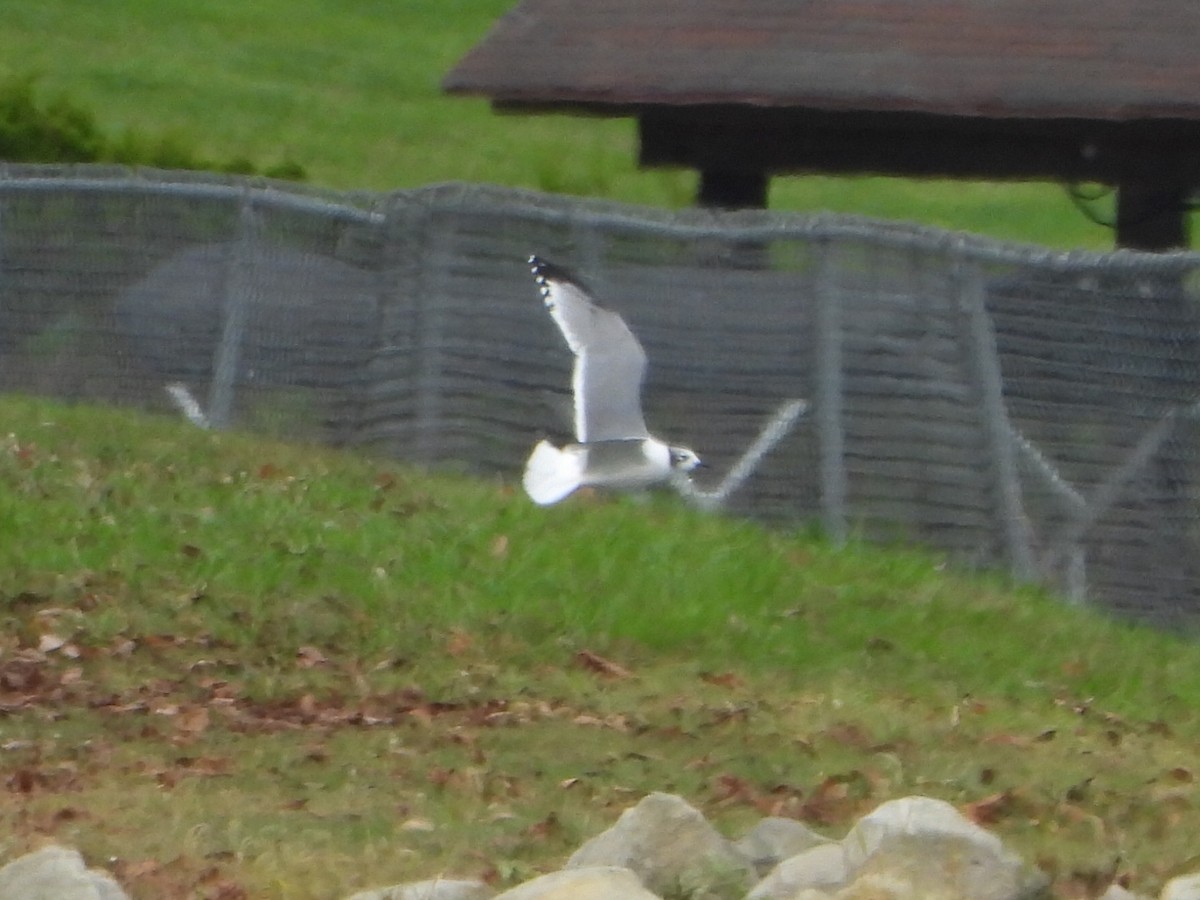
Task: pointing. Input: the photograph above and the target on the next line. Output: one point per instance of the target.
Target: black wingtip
(537, 266)
(547, 270)
(544, 271)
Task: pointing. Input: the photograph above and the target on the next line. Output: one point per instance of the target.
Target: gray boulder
(775, 839)
(818, 868)
(433, 889)
(938, 866)
(923, 841)
(56, 873)
(1185, 887)
(910, 816)
(671, 847)
(584, 883)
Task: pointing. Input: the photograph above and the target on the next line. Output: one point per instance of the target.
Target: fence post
(1106, 493)
(979, 341)
(237, 296)
(3, 210)
(831, 440)
(429, 334)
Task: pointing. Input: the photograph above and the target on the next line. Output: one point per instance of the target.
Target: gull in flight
(613, 449)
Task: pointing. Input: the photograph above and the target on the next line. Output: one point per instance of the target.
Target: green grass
(351, 94)
(236, 664)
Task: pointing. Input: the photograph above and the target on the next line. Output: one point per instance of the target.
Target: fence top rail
(750, 226)
(359, 207)
(765, 225)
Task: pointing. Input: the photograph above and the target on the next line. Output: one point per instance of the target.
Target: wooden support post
(1152, 215)
(732, 190)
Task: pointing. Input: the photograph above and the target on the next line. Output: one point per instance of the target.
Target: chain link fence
(1015, 407)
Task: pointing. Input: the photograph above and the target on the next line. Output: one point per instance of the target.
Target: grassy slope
(352, 94)
(232, 663)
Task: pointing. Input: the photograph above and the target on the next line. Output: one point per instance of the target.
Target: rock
(952, 848)
(1116, 892)
(56, 873)
(933, 866)
(1185, 887)
(671, 847)
(434, 889)
(775, 839)
(583, 883)
(823, 866)
(912, 815)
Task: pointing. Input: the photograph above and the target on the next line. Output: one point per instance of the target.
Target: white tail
(552, 474)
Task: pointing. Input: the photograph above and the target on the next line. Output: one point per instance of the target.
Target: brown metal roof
(1117, 60)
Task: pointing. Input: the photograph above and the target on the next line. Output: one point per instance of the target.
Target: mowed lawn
(231, 667)
(351, 92)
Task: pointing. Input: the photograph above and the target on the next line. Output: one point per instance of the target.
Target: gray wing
(609, 362)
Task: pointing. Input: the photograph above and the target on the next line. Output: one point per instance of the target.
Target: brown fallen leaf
(205, 765)
(849, 734)
(546, 828)
(616, 721)
(833, 801)
(193, 720)
(25, 781)
(441, 777)
(728, 788)
(594, 662)
(157, 641)
(459, 643)
(310, 657)
(991, 809)
(139, 869)
(316, 753)
(21, 676)
(724, 679)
